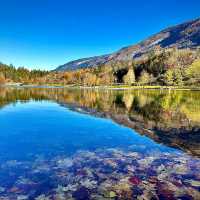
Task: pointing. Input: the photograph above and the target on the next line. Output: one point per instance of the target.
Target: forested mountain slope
(185, 35)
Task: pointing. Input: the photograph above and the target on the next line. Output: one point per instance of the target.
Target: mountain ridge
(184, 35)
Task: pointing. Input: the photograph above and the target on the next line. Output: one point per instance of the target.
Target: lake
(86, 144)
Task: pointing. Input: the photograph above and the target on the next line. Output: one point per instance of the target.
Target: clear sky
(46, 33)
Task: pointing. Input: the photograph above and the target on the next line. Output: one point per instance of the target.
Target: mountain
(84, 62)
(185, 35)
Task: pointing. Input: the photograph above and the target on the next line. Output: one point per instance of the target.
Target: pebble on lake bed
(103, 174)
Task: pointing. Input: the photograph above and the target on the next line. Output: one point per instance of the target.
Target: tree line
(9, 73)
(171, 67)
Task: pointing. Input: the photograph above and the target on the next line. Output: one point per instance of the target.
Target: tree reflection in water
(168, 117)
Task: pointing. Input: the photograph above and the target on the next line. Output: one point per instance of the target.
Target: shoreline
(141, 88)
(106, 87)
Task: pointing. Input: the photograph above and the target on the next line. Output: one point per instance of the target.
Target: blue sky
(46, 33)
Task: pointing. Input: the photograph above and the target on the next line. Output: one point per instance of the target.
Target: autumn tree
(90, 79)
(144, 78)
(68, 77)
(193, 71)
(178, 77)
(169, 77)
(129, 78)
(2, 79)
(173, 77)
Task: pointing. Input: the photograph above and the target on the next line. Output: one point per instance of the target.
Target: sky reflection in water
(48, 151)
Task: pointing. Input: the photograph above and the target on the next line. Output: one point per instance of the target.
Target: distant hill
(185, 35)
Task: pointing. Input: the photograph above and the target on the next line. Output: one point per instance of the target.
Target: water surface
(86, 144)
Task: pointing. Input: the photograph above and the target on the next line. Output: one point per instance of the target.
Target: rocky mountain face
(186, 35)
(84, 62)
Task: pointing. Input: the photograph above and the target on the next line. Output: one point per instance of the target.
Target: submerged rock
(109, 194)
(65, 163)
(134, 180)
(81, 194)
(194, 183)
(104, 174)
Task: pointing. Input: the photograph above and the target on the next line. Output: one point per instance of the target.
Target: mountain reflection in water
(50, 150)
(168, 117)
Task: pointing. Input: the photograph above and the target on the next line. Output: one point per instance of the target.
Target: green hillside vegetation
(11, 74)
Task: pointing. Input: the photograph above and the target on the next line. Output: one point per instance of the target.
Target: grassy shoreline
(122, 87)
(113, 87)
